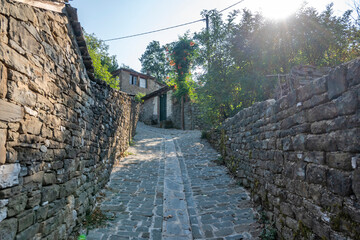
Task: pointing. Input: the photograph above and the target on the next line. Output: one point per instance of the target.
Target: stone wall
(300, 156)
(192, 113)
(60, 132)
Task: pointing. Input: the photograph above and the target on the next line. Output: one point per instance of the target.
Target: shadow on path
(199, 201)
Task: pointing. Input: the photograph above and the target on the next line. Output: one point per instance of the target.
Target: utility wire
(159, 30)
(232, 6)
(167, 28)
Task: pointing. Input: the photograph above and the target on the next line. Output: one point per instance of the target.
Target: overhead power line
(167, 28)
(232, 5)
(159, 30)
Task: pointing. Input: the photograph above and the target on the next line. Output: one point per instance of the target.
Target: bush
(205, 135)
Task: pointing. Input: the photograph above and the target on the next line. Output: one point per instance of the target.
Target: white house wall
(169, 105)
(155, 104)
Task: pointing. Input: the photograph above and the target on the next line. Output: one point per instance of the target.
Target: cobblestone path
(170, 187)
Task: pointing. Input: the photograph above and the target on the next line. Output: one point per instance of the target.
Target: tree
(181, 60)
(103, 63)
(153, 61)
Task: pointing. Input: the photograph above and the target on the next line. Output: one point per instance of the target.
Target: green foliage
(103, 63)
(236, 56)
(269, 233)
(181, 59)
(153, 61)
(139, 96)
(237, 53)
(96, 219)
(82, 237)
(205, 135)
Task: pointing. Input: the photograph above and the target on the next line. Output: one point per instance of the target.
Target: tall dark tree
(153, 61)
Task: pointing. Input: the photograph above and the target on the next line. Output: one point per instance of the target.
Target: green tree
(103, 63)
(153, 61)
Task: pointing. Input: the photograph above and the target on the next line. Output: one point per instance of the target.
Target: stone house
(160, 107)
(134, 82)
(157, 107)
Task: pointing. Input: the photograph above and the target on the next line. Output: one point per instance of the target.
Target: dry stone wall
(60, 132)
(300, 156)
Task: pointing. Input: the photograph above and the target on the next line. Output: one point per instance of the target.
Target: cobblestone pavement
(169, 187)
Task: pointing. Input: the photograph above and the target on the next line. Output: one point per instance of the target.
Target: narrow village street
(170, 187)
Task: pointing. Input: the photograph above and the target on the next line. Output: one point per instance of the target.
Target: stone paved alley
(170, 187)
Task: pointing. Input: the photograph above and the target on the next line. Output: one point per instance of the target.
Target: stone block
(3, 76)
(10, 112)
(316, 174)
(8, 229)
(14, 59)
(44, 104)
(31, 125)
(356, 183)
(50, 193)
(339, 160)
(286, 209)
(49, 178)
(9, 175)
(322, 112)
(299, 142)
(34, 199)
(321, 142)
(353, 72)
(3, 28)
(287, 144)
(320, 127)
(25, 220)
(23, 38)
(286, 101)
(336, 82)
(315, 157)
(300, 170)
(17, 204)
(20, 93)
(347, 103)
(28, 233)
(41, 212)
(348, 140)
(317, 87)
(37, 177)
(339, 182)
(23, 12)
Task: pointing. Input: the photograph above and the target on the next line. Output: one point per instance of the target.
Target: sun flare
(279, 9)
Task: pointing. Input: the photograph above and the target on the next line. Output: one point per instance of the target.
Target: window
(143, 83)
(133, 80)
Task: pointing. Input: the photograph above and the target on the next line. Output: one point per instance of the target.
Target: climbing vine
(181, 58)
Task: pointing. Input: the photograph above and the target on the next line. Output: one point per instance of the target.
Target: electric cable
(167, 28)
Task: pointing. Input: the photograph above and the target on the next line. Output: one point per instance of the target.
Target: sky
(109, 19)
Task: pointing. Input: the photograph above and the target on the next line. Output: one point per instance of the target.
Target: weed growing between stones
(220, 161)
(343, 221)
(205, 135)
(96, 219)
(303, 232)
(126, 153)
(131, 142)
(269, 232)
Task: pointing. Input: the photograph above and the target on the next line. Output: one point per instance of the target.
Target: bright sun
(279, 9)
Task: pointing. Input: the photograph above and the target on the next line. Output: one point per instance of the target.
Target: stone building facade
(133, 82)
(60, 128)
(157, 107)
(300, 156)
